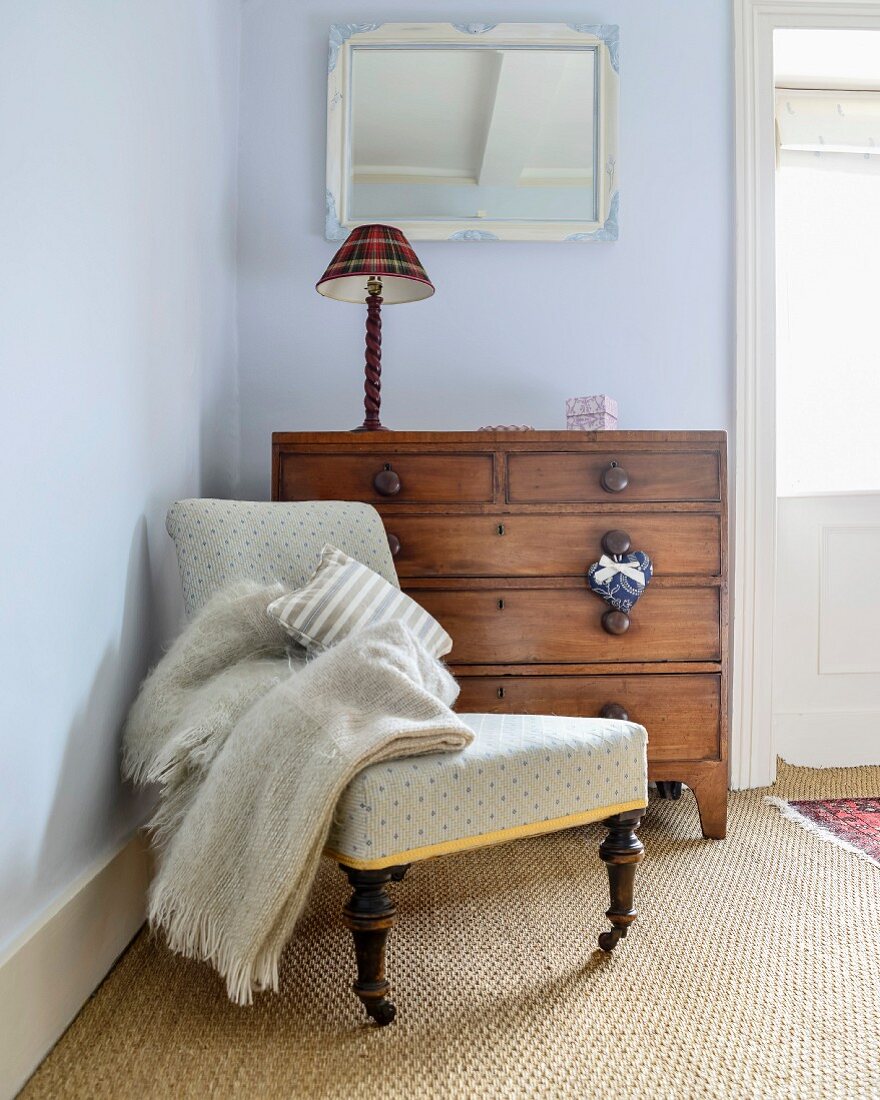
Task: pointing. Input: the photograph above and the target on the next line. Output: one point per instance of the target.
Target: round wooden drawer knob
(615, 622)
(614, 710)
(614, 478)
(393, 544)
(386, 482)
(616, 542)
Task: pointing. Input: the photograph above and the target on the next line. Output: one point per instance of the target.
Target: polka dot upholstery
(521, 775)
(221, 541)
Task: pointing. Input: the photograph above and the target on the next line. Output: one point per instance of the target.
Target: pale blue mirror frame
(603, 39)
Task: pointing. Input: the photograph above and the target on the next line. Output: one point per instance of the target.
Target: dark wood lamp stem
(373, 360)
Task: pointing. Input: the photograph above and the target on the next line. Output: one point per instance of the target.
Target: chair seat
(522, 775)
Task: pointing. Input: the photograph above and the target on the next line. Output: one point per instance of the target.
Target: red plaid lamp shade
(380, 251)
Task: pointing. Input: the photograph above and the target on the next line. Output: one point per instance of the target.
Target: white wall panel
(849, 601)
(826, 671)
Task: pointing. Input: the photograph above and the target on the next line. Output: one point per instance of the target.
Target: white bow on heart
(610, 568)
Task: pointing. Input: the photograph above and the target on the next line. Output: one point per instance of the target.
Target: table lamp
(376, 264)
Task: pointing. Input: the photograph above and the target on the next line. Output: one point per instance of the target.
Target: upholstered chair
(590, 769)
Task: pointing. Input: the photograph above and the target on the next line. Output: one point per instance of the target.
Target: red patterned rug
(853, 823)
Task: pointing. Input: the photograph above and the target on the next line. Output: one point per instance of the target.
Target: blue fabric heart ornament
(621, 580)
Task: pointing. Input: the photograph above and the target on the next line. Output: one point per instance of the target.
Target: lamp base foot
(365, 427)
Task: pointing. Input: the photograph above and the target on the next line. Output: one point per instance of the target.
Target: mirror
(482, 134)
(473, 132)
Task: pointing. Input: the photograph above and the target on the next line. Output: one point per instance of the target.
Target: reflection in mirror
(505, 133)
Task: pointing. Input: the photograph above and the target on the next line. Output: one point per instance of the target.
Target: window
(828, 261)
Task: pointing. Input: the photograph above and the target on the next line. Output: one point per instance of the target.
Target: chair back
(222, 541)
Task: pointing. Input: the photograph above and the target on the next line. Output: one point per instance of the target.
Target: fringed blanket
(251, 748)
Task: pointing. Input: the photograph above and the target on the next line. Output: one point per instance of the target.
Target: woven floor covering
(847, 821)
(753, 972)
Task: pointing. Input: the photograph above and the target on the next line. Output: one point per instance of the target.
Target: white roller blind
(819, 128)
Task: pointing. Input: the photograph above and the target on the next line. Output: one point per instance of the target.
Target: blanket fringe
(188, 745)
(197, 936)
(169, 815)
(177, 770)
(790, 813)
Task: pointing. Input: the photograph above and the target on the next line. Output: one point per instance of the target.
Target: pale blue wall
(117, 344)
(514, 327)
(118, 333)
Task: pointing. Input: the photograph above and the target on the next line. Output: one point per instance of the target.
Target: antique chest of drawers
(493, 532)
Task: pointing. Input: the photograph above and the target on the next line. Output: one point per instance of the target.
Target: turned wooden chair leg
(621, 850)
(370, 914)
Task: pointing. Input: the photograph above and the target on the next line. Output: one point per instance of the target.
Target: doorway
(753, 746)
(826, 654)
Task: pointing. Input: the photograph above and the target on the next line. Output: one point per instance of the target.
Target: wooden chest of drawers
(493, 532)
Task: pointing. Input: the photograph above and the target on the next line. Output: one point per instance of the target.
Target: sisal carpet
(753, 972)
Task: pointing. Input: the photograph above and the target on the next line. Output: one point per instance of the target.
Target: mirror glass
(506, 133)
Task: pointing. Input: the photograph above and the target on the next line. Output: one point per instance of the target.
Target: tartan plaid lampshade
(381, 251)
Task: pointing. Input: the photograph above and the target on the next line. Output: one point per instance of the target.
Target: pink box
(592, 414)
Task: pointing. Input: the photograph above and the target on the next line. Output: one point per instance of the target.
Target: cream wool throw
(252, 749)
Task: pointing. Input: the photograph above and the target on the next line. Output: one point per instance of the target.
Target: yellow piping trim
(483, 840)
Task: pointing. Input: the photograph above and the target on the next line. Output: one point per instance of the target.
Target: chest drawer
(681, 713)
(393, 478)
(551, 545)
(564, 625)
(573, 476)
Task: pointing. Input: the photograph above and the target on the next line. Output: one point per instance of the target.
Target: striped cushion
(343, 596)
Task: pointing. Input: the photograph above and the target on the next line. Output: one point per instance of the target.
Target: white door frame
(752, 757)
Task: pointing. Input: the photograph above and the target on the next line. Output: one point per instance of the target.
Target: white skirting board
(836, 739)
(49, 974)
